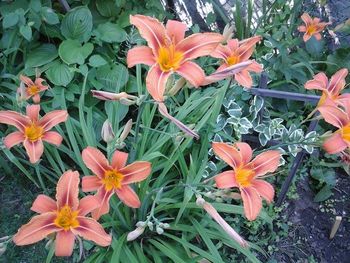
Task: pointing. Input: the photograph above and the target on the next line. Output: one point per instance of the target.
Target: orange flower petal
(34, 150)
(64, 243)
(337, 82)
(13, 139)
(266, 162)
(140, 55)
(87, 204)
(221, 51)
(95, 161)
(233, 44)
(306, 18)
(90, 183)
(150, 29)
(67, 190)
(228, 153)
(40, 85)
(127, 195)
(302, 28)
(136, 172)
(26, 80)
(37, 229)
(198, 45)
(176, 30)
(247, 48)
(319, 82)
(52, 137)
(191, 72)
(335, 144)
(306, 37)
(36, 98)
(318, 36)
(119, 159)
(15, 119)
(264, 189)
(90, 229)
(244, 79)
(245, 151)
(103, 198)
(252, 203)
(53, 118)
(155, 81)
(43, 204)
(226, 180)
(33, 112)
(334, 115)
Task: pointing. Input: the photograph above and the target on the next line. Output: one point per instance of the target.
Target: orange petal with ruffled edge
(319, 82)
(32, 112)
(140, 55)
(264, 189)
(119, 159)
(43, 204)
(151, 30)
(334, 115)
(90, 183)
(15, 119)
(26, 80)
(245, 151)
(337, 82)
(266, 162)
(34, 149)
(91, 230)
(225, 180)
(244, 79)
(95, 161)
(302, 29)
(38, 228)
(13, 139)
(192, 73)
(67, 190)
(228, 153)
(53, 118)
(52, 137)
(87, 204)
(64, 243)
(221, 51)
(176, 30)
(335, 144)
(306, 18)
(128, 196)
(199, 45)
(247, 48)
(103, 198)
(136, 172)
(252, 202)
(155, 82)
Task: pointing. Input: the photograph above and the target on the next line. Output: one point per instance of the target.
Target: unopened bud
(150, 226)
(166, 225)
(107, 133)
(141, 224)
(178, 85)
(135, 234)
(126, 131)
(159, 230)
(228, 33)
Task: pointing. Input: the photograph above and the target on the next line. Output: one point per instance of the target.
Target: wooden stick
(335, 227)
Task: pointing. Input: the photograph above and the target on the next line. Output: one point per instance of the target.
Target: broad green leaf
(41, 55)
(49, 16)
(113, 77)
(60, 74)
(97, 61)
(26, 32)
(109, 32)
(71, 51)
(77, 24)
(9, 20)
(107, 8)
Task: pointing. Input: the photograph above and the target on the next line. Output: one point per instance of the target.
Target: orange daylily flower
(32, 130)
(66, 217)
(340, 118)
(246, 174)
(237, 53)
(330, 89)
(169, 51)
(112, 178)
(32, 89)
(312, 27)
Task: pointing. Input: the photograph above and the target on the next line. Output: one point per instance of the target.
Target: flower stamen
(66, 218)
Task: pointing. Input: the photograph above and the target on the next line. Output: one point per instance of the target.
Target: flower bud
(178, 85)
(150, 226)
(135, 234)
(166, 225)
(107, 133)
(159, 230)
(141, 224)
(228, 33)
(126, 131)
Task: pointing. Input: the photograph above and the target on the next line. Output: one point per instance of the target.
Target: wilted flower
(122, 97)
(107, 133)
(135, 233)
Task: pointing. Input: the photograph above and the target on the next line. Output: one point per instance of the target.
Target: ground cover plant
(128, 136)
